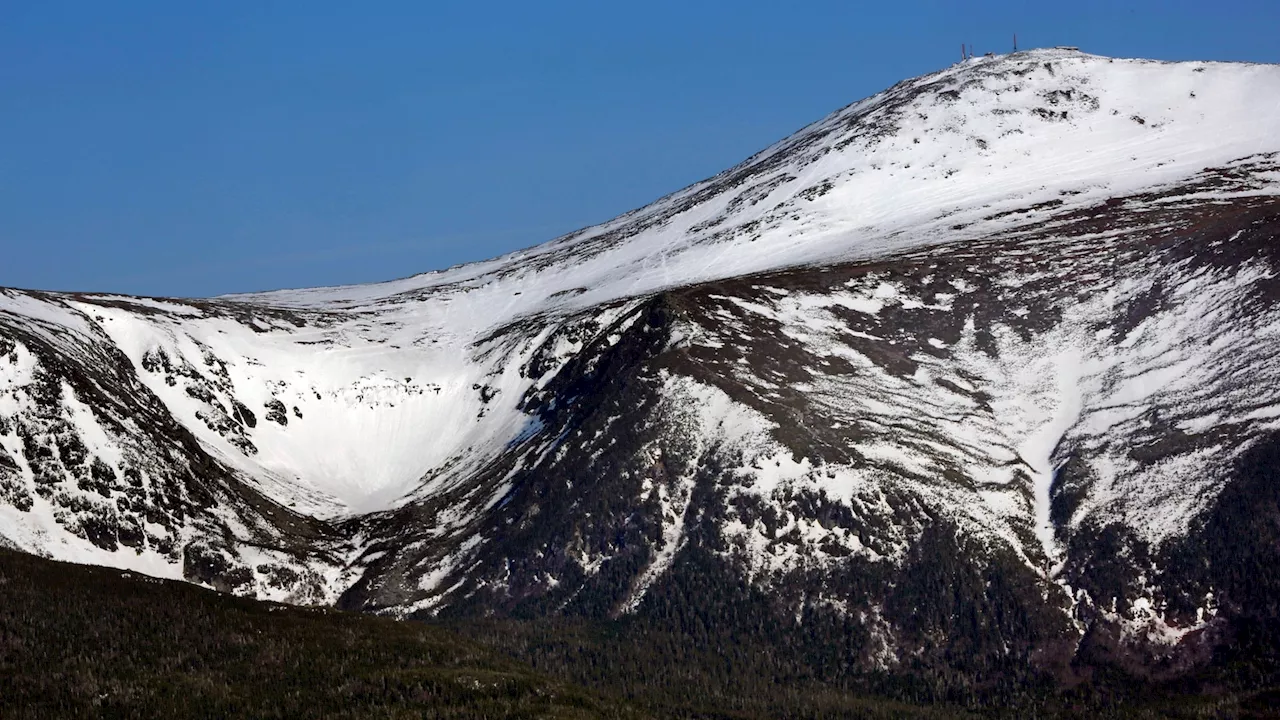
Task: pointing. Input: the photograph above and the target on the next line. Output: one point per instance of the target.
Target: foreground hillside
(89, 642)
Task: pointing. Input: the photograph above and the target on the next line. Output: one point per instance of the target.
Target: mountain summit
(975, 373)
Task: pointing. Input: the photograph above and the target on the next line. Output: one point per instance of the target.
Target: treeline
(706, 644)
(740, 675)
(86, 642)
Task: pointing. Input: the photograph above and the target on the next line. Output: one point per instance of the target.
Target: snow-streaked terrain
(1015, 302)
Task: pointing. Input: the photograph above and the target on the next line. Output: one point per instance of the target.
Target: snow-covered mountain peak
(986, 145)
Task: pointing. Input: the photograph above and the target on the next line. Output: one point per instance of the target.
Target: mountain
(973, 378)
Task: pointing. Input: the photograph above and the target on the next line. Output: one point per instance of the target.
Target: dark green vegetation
(90, 642)
(733, 658)
(86, 642)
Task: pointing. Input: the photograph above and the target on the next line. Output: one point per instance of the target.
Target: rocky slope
(975, 373)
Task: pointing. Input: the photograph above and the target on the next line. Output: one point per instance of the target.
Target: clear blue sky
(178, 148)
